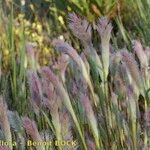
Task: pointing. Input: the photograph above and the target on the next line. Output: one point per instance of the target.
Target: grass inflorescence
(98, 97)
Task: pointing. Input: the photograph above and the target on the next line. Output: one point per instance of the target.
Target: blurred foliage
(39, 21)
(51, 11)
(135, 22)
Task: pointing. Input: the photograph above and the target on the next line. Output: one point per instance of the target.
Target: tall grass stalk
(64, 95)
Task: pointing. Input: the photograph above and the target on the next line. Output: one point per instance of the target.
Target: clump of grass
(93, 97)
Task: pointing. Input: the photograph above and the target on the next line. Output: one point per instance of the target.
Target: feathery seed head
(35, 87)
(61, 45)
(64, 47)
(80, 28)
(31, 128)
(137, 47)
(132, 67)
(104, 28)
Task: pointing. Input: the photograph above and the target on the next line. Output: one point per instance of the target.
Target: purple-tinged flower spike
(4, 123)
(67, 135)
(138, 49)
(119, 86)
(53, 103)
(123, 73)
(54, 110)
(47, 88)
(104, 29)
(66, 126)
(80, 28)
(61, 91)
(133, 69)
(35, 87)
(115, 59)
(91, 118)
(62, 64)
(64, 47)
(144, 61)
(31, 130)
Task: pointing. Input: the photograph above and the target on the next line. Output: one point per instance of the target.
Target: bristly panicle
(30, 127)
(66, 124)
(48, 74)
(119, 86)
(138, 49)
(53, 102)
(91, 117)
(51, 99)
(80, 28)
(115, 59)
(35, 87)
(32, 130)
(104, 29)
(61, 45)
(132, 67)
(62, 92)
(123, 73)
(61, 65)
(144, 61)
(64, 47)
